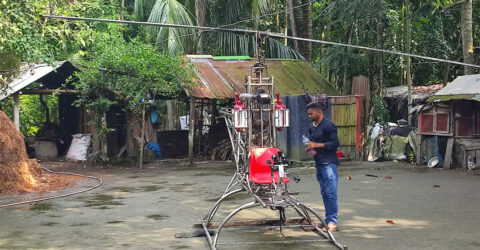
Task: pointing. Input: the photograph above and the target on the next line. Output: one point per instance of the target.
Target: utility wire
(221, 26)
(242, 21)
(263, 34)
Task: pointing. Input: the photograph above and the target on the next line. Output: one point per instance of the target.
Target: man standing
(324, 142)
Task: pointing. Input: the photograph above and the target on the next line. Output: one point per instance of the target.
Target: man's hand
(313, 145)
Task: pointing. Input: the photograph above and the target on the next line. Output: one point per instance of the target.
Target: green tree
(127, 73)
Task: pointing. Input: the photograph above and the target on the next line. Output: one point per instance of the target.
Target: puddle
(181, 187)
(157, 216)
(124, 189)
(103, 207)
(181, 247)
(80, 224)
(150, 188)
(102, 200)
(41, 206)
(115, 222)
(48, 224)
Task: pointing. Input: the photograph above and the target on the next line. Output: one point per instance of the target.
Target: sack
(155, 148)
(79, 147)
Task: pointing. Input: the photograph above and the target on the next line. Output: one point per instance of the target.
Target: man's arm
(331, 143)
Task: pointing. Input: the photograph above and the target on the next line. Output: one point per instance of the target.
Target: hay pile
(17, 172)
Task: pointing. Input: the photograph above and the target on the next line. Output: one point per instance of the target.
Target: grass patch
(157, 216)
(41, 206)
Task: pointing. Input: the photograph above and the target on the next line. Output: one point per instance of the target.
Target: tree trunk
(467, 36)
(380, 55)
(293, 25)
(325, 69)
(445, 71)
(308, 32)
(277, 17)
(409, 59)
(200, 6)
(346, 84)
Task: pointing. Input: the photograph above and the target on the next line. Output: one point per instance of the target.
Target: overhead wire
(199, 32)
(266, 34)
(245, 20)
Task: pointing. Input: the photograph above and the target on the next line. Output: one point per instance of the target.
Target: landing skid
(286, 201)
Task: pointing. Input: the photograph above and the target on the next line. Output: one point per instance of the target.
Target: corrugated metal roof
(28, 77)
(462, 88)
(223, 77)
(418, 92)
(462, 85)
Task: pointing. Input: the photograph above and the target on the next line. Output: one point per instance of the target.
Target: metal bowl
(433, 162)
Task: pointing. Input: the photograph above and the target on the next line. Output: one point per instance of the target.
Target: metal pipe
(330, 235)
(207, 233)
(217, 204)
(240, 208)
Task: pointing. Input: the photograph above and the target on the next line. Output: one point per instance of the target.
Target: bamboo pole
(191, 130)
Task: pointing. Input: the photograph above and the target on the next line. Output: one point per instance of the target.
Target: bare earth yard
(145, 210)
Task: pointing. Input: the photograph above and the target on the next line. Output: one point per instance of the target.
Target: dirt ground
(145, 210)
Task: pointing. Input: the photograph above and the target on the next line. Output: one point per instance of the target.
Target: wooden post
(170, 115)
(142, 137)
(448, 153)
(191, 130)
(16, 111)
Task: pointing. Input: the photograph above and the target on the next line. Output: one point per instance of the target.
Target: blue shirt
(326, 133)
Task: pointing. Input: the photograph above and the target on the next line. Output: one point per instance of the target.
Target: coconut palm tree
(171, 40)
(174, 41)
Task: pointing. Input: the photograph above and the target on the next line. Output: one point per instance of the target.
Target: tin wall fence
(347, 112)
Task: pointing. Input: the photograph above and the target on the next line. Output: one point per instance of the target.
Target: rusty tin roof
(221, 78)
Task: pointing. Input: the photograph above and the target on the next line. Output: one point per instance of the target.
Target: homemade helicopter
(260, 165)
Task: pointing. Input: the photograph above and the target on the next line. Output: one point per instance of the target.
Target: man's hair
(316, 106)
